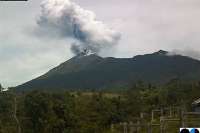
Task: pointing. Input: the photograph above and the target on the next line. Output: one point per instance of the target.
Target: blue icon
(194, 130)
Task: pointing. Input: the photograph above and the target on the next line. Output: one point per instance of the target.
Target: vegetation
(95, 112)
(1, 88)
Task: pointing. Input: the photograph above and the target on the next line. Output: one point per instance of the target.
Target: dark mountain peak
(155, 54)
(75, 64)
(161, 52)
(90, 71)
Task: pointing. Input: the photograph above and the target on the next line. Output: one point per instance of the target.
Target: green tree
(37, 110)
(1, 88)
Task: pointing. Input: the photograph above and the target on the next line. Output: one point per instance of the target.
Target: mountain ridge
(95, 72)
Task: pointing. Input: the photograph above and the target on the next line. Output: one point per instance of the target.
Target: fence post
(149, 130)
(170, 112)
(131, 127)
(112, 128)
(152, 116)
(138, 126)
(125, 127)
(182, 118)
(161, 124)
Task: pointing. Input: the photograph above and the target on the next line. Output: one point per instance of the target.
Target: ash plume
(69, 20)
(186, 52)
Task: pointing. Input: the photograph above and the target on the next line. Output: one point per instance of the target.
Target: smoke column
(71, 21)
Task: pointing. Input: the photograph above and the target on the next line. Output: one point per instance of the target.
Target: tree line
(93, 112)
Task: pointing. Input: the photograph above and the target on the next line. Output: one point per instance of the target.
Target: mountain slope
(94, 72)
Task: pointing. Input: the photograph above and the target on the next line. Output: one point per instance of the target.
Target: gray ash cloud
(66, 19)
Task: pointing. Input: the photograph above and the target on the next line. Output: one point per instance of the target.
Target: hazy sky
(145, 26)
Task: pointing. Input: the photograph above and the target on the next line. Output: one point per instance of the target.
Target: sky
(145, 26)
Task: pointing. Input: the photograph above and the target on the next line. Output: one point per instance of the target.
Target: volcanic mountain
(95, 72)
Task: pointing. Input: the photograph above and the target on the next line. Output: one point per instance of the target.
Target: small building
(196, 105)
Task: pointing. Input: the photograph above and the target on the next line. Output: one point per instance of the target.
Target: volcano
(90, 71)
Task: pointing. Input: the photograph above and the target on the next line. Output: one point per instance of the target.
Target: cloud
(24, 60)
(66, 19)
(187, 52)
(146, 26)
(150, 25)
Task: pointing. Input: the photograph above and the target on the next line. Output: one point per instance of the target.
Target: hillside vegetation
(90, 112)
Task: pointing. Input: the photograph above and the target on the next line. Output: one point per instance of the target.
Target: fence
(165, 120)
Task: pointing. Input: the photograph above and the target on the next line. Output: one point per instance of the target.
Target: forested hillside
(90, 112)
